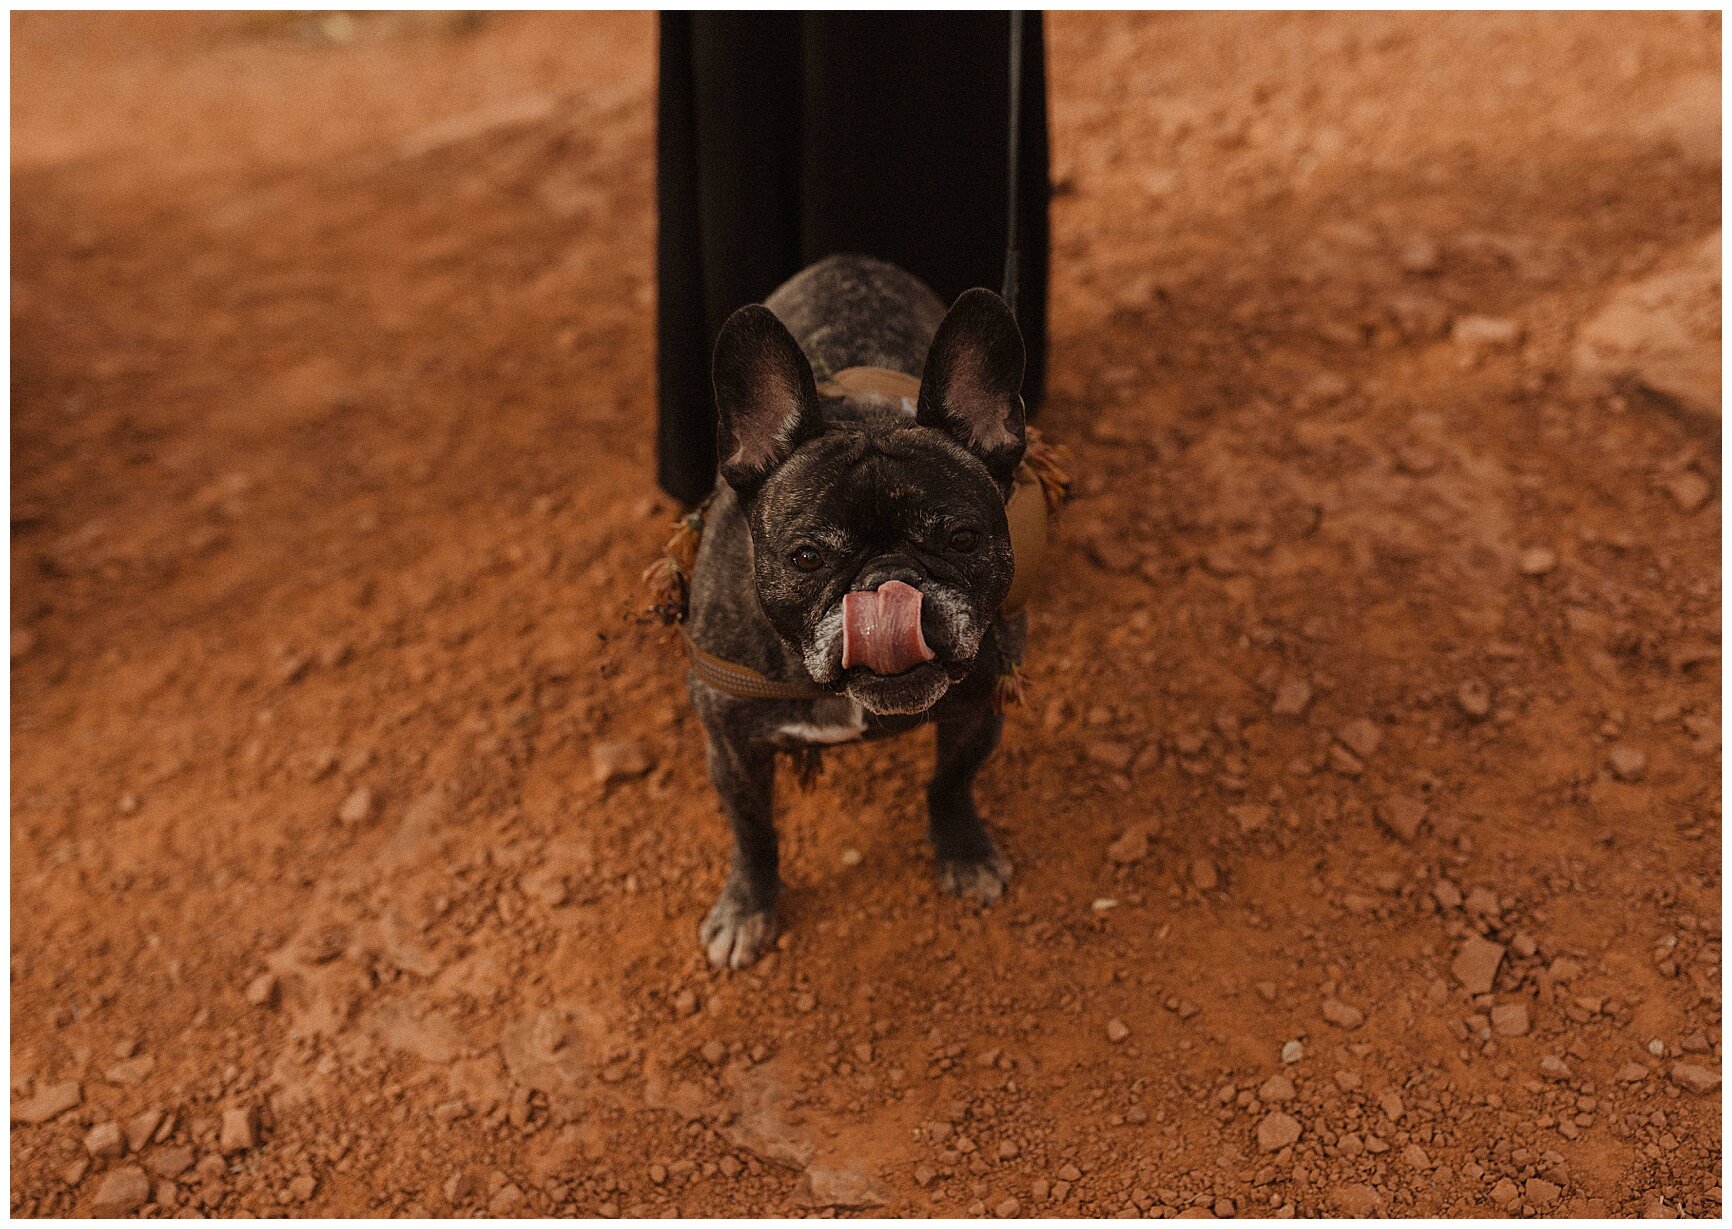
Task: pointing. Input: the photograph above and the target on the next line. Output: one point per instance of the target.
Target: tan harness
(1036, 490)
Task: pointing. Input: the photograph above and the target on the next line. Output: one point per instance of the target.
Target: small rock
(506, 1200)
(262, 990)
(303, 1188)
(1695, 1078)
(1292, 698)
(1632, 1073)
(617, 761)
(1362, 737)
(1008, 1207)
(169, 1162)
(1505, 1193)
(1510, 1019)
(1688, 489)
(1204, 875)
(1420, 256)
(132, 1071)
(356, 807)
(1541, 1193)
(1355, 1199)
(1554, 1068)
(104, 1141)
(1626, 762)
(1276, 1131)
(1476, 964)
(1117, 1031)
(1342, 1015)
(1536, 561)
(23, 642)
(1401, 816)
(1414, 1157)
(1111, 754)
(121, 1191)
(49, 1102)
(1276, 1089)
(1292, 1052)
(1474, 698)
(1130, 848)
(239, 1130)
(140, 1128)
(1484, 332)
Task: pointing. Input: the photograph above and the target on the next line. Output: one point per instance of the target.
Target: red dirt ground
(1365, 809)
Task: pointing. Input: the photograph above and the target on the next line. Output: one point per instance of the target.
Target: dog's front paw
(982, 880)
(736, 932)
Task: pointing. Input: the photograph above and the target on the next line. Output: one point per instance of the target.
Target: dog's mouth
(912, 691)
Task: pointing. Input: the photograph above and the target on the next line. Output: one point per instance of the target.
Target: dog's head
(880, 548)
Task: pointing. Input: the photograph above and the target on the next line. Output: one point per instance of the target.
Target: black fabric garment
(783, 138)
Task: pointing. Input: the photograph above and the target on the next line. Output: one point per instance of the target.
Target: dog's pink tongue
(881, 630)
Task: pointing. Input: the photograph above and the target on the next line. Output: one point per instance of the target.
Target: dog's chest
(831, 722)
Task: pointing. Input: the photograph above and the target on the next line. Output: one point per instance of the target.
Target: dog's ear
(766, 399)
(972, 388)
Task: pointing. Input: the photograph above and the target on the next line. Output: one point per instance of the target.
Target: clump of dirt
(1365, 807)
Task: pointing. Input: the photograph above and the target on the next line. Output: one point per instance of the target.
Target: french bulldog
(857, 543)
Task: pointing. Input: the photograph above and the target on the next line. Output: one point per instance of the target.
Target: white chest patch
(846, 730)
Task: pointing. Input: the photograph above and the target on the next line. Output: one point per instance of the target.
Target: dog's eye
(963, 539)
(806, 559)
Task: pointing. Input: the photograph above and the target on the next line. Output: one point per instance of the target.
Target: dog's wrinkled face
(880, 548)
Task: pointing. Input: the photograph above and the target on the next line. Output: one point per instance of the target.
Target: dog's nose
(882, 570)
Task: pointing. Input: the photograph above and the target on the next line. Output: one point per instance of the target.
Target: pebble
(1695, 1078)
(1130, 848)
(1474, 698)
(1510, 1019)
(1276, 1131)
(1626, 762)
(617, 761)
(1541, 1193)
(1117, 1031)
(1484, 332)
(1204, 875)
(262, 990)
(1342, 1015)
(1292, 1052)
(140, 1127)
(239, 1130)
(1292, 698)
(303, 1188)
(1111, 754)
(1505, 1193)
(169, 1162)
(121, 1190)
(1362, 737)
(1401, 816)
(357, 807)
(1476, 964)
(1276, 1089)
(714, 1052)
(1632, 1073)
(1689, 490)
(49, 1102)
(104, 1140)
(1536, 561)
(1008, 1207)
(1355, 1199)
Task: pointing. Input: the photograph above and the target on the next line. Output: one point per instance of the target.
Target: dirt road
(1365, 808)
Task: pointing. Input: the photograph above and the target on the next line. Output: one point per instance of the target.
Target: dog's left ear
(766, 398)
(972, 386)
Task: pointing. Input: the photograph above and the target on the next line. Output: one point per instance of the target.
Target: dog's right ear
(766, 398)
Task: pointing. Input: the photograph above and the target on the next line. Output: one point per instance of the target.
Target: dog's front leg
(969, 864)
(743, 921)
